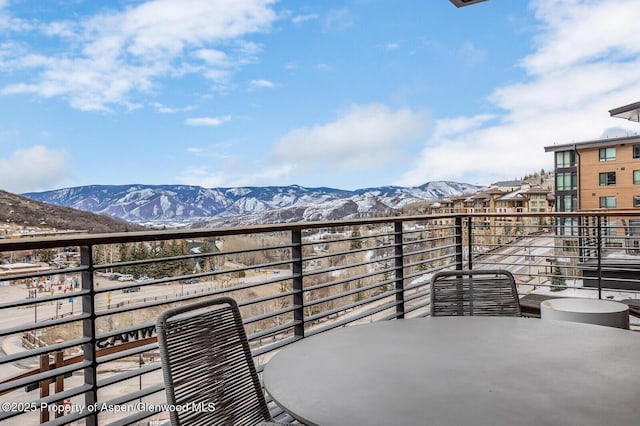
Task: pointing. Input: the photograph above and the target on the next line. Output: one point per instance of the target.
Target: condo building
(596, 175)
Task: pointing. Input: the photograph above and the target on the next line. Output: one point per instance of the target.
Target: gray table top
(461, 371)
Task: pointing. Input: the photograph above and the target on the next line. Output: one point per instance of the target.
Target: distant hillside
(543, 179)
(23, 211)
(208, 206)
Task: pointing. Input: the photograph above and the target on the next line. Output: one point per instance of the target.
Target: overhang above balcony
(630, 112)
(462, 3)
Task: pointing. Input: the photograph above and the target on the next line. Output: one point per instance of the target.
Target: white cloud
(205, 177)
(261, 84)
(472, 54)
(33, 169)
(116, 55)
(585, 63)
(213, 57)
(10, 23)
(216, 151)
(578, 31)
(207, 121)
(392, 46)
(304, 18)
(170, 110)
(268, 174)
(364, 137)
(202, 176)
(324, 67)
(339, 20)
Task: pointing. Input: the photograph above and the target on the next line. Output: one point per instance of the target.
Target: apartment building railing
(77, 312)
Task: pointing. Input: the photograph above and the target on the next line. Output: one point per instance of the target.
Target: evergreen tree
(356, 244)
(205, 262)
(154, 269)
(46, 255)
(139, 252)
(558, 281)
(123, 251)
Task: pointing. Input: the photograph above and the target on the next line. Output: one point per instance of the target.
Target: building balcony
(81, 332)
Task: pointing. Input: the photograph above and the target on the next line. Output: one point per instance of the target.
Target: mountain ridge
(28, 212)
(141, 203)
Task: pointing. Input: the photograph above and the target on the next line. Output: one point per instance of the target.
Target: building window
(636, 201)
(636, 151)
(565, 159)
(607, 154)
(608, 202)
(569, 226)
(566, 181)
(569, 203)
(609, 229)
(534, 203)
(636, 177)
(607, 178)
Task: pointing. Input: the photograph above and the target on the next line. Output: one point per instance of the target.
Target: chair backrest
(477, 292)
(209, 374)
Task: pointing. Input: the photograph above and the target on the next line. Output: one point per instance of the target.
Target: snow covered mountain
(195, 204)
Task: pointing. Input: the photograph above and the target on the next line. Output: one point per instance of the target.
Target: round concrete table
(590, 311)
(461, 371)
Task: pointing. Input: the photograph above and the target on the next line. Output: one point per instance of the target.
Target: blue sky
(344, 94)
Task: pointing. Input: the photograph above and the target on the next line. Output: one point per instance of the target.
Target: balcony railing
(78, 311)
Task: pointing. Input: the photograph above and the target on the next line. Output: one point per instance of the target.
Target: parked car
(143, 279)
(58, 264)
(191, 281)
(125, 277)
(130, 289)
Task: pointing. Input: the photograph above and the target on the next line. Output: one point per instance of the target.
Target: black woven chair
(209, 374)
(477, 292)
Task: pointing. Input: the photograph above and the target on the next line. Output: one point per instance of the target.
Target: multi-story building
(515, 197)
(598, 174)
(601, 174)
(507, 185)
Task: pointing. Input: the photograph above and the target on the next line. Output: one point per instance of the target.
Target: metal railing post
(458, 243)
(298, 288)
(599, 254)
(470, 241)
(399, 268)
(89, 330)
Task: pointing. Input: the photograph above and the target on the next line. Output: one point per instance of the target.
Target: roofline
(596, 143)
(506, 182)
(618, 112)
(463, 3)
